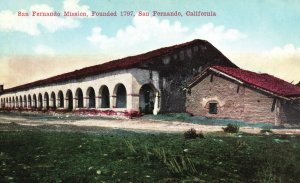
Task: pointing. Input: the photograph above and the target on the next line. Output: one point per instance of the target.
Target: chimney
(1, 88)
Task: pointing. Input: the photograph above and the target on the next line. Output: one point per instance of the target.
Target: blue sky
(259, 35)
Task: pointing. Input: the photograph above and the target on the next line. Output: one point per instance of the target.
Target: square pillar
(98, 102)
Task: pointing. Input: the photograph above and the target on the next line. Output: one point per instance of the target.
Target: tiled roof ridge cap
(58, 77)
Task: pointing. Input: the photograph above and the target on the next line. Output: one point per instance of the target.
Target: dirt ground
(141, 125)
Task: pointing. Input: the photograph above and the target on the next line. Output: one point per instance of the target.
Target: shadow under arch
(149, 99)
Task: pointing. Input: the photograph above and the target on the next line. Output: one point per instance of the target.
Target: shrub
(231, 128)
(192, 134)
(266, 131)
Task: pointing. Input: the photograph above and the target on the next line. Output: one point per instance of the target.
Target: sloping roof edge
(118, 64)
(202, 75)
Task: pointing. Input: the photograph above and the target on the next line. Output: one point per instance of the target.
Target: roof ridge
(106, 66)
(261, 80)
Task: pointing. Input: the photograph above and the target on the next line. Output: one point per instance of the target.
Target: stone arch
(20, 102)
(60, 99)
(69, 100)
(79, 98)
(149, 99)
(3, 102)
(16, 102)
(34, 101)
(46, 101)
(25, 101)
(104, 97)
(91, 97)
(53, 100)
(120, 94)
(7, 102)
(10, 102)
(40, 101)
(29, 101)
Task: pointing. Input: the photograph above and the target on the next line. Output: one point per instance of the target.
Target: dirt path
(135, 125)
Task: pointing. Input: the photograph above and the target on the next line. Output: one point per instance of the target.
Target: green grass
(51, 116)
(34, 155)
(185, 117)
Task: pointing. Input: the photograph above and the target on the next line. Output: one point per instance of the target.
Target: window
(213, 108)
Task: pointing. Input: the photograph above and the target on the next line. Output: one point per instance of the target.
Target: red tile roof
(261, 81)
(123, 63)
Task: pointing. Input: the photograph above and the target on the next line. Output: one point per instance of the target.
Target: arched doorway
(21, 102)
(46, 98)
(34, 101)
(104, 97)
(40, 99)
(29, 101)
(16, 102)
(147, 96)
(69, 99)
(10, 102)
(25, 101)
(121, 96)
(91, 97)
(79, 98)
(53, 100)
(60, 99)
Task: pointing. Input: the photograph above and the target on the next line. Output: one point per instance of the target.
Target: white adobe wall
(132, 79)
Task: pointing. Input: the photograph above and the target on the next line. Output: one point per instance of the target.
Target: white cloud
(9, 21)
(43, 50)
(218, 33)
(73, 5)
(147, 33)
(282, 62)
(286, 52)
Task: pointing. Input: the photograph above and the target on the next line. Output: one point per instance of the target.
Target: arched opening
(46, 99)
(16, 102)
(104, 97)
(2, 102)
(40, 100)
(29, 101)
(10, 102)
(21, 102)
(147, 96)
(25, 101)
(53, 100)
(121, 96)
(69, 99)
(34, 101)
(79, 98)
(60, 99)
(91, 98)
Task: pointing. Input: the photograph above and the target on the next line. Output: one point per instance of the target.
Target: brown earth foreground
(139, 125)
